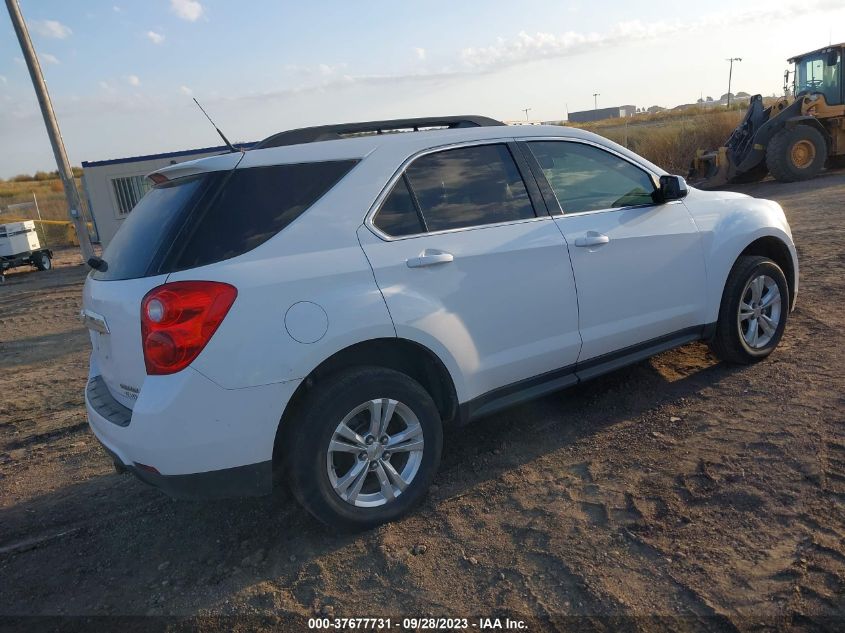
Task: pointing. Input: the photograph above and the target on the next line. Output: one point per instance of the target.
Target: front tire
(796, 154)
(365, 448)
(753, 313)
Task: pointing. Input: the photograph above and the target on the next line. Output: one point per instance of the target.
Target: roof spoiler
(221, 162)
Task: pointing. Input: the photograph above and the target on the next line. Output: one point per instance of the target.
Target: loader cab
(821, 72)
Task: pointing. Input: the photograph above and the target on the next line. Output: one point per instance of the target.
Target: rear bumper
(253, 480)
(190, 437)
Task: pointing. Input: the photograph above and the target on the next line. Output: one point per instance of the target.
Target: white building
(114, 187)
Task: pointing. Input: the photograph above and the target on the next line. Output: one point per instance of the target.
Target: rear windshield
(208, 218)
(141, 236)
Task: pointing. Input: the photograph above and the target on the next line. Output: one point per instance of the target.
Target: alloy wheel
(375, 453)
(759, 312)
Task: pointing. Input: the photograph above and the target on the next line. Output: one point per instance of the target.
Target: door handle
(592, 238)
(429, 257)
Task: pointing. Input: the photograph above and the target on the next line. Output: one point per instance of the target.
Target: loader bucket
(711, 169)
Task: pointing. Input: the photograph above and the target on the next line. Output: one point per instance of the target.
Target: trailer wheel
(43, 261)
(796, 154)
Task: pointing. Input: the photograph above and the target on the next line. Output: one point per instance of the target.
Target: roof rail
(335, 132)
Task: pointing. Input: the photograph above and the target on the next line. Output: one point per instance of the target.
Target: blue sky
(121, 73)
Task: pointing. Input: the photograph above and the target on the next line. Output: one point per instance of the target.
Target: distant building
(114, 187)
(587, 116)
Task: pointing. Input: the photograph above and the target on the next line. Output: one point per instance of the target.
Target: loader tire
(796, 154)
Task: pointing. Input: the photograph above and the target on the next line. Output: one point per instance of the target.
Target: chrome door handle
(592, 238)
(429, 257)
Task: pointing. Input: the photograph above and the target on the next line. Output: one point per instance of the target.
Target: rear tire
(343, 470)
(753, 313)
(796, 154)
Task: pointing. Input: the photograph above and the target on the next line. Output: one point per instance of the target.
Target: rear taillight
(178, 319)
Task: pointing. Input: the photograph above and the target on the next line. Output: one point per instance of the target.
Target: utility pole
(65, 172)
(596, 96)
(730, 74)
(526, 110)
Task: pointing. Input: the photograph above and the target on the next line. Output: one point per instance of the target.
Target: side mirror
(672, 188)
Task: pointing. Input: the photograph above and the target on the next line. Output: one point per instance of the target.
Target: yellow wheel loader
(791, 139)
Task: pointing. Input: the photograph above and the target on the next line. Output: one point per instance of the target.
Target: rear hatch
(192, 218)
(112, 313)
(135, 263)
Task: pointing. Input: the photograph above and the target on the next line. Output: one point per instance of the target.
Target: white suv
(319, 306)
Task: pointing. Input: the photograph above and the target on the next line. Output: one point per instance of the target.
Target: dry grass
(50, 195)
(671, 142)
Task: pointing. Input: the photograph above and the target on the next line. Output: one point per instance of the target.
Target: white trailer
(19, 246)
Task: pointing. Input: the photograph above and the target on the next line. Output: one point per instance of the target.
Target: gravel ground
(679, 493)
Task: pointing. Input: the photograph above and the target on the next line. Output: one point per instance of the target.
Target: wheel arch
(778, 251)
(813, 122)
(406, 356)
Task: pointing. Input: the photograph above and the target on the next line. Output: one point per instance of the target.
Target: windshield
(814, 74)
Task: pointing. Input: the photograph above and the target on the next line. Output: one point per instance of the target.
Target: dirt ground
(679, 493)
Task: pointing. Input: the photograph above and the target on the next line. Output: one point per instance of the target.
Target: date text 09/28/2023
(417, 624)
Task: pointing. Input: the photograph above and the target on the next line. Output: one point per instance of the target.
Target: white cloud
(526, 47)
(325, 70)
(52, 28)
(155, 38)
(420, 52)
(190, 10)
(186, 91)
(116, 9)
(3, 80)
(47, 58)
(133, 80)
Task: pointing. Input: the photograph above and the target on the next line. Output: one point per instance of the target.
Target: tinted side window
(469, 186)
(586, 178)
(398, 215)
(253, 205)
